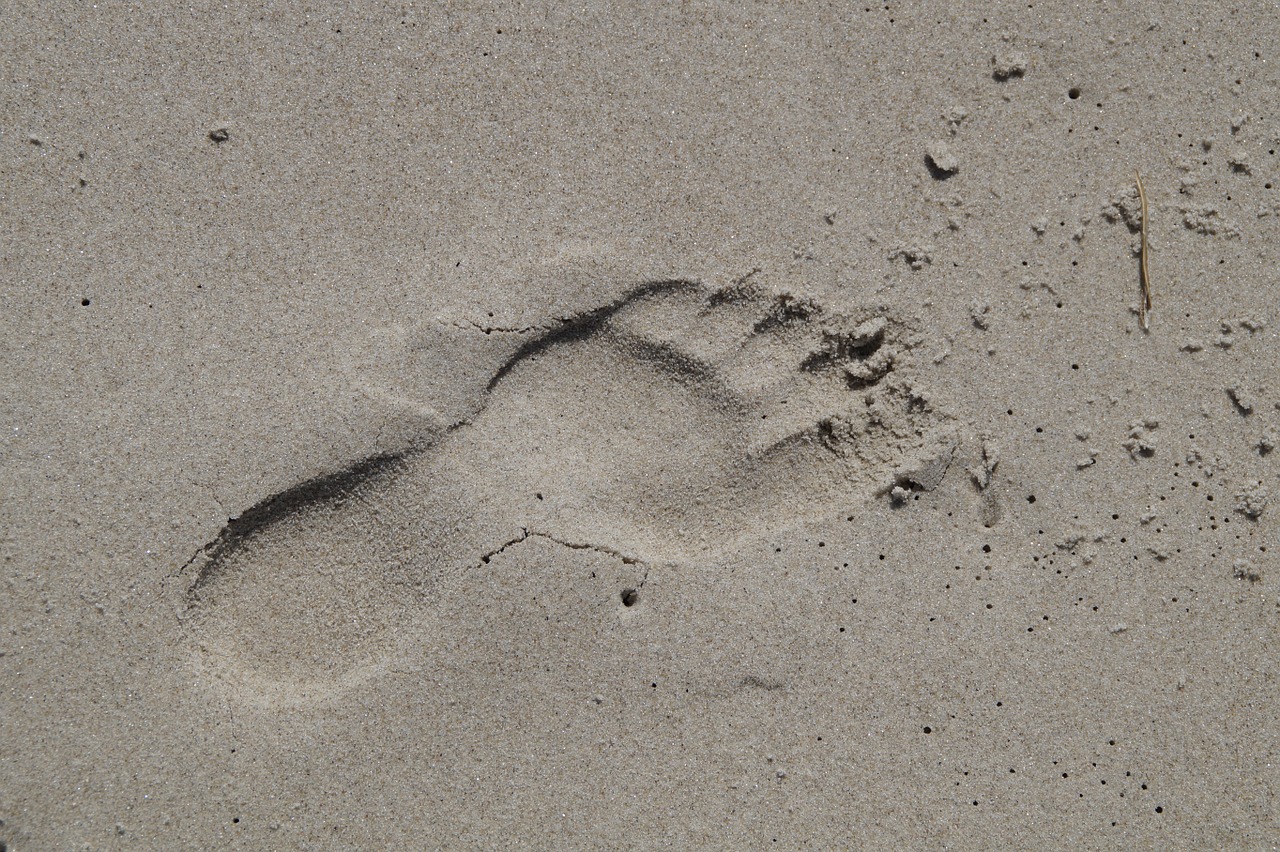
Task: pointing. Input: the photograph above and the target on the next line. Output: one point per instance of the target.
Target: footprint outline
(842, 343)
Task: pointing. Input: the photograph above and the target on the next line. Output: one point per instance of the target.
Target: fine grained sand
(706, 426)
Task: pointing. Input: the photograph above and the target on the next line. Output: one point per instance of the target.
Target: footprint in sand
(662, 427)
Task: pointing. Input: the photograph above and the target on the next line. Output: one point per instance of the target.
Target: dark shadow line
(327, 488)
(582, 326)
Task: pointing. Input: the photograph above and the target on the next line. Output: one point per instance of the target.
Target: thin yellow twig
(1144, 269)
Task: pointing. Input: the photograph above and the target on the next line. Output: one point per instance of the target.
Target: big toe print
(663, 427)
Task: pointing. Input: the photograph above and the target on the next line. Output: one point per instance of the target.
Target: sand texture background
(708, 425)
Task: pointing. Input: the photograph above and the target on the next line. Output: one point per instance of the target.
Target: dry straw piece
(1144, 303)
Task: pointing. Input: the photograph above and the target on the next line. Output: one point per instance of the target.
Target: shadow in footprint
(664, 426)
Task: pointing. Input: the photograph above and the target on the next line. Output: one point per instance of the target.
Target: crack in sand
(472, 325)
(526, 534)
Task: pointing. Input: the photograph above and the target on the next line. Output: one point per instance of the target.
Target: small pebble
(942, 158)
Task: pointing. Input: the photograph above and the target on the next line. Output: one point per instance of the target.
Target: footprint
(663, 427)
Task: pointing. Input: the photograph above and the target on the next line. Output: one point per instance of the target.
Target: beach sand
(705, 426)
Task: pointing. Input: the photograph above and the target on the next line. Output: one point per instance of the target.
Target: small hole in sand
(629, 597)
(1073, 93)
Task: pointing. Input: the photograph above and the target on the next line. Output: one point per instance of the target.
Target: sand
(707, 426)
